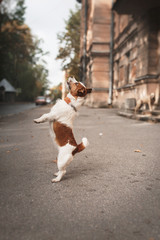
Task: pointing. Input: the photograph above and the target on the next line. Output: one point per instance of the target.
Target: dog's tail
(80, 147)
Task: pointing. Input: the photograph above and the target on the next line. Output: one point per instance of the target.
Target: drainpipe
(111, 57)
(84, 42)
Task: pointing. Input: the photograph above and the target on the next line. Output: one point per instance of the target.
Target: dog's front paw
(36, 120)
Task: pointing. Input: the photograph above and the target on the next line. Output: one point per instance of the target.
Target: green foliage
(20, 53)
(69, 44)
(20, 12)
(32, 81)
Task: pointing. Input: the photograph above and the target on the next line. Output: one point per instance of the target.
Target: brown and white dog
(61, 119)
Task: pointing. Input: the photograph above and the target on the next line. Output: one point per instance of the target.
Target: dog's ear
(89, 90)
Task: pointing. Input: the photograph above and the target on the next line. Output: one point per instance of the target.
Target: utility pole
(111, 57)
(84, 42)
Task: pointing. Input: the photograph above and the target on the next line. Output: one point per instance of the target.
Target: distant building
(120, 50)
(7, 91)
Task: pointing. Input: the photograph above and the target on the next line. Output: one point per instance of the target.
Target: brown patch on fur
(80, 147)
(63, 134)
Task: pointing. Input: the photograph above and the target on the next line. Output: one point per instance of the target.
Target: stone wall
(136, 57)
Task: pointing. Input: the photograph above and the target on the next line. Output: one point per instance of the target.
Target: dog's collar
(68, 101)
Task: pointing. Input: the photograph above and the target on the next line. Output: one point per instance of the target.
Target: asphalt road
(111, 190)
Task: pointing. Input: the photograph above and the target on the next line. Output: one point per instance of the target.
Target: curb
(140, 117)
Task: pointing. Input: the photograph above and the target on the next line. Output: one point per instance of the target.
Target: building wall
(136, 55)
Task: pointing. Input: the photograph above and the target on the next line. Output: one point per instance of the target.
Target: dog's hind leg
(62, 164)
(64, 158)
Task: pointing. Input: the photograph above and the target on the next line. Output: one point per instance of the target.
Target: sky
(46, 18)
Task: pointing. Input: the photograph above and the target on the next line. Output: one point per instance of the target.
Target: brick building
(120, 50)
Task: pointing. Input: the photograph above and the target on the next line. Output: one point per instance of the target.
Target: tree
(32, 81)
(20, 12)
(69, 44)
(56, 92)
(20, 52)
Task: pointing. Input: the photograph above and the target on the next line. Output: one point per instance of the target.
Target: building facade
(120, 50)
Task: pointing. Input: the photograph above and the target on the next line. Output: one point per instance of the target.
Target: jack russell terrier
(61, 119)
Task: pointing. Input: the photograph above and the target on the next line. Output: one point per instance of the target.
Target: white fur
(61, 112)
(64, 158)
(85, 142)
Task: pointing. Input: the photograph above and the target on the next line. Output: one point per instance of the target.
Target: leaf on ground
(16, 149)
(137, 150)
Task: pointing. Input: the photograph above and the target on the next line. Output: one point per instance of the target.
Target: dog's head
(77, 89)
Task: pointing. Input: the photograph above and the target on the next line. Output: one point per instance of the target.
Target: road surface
(111, 190)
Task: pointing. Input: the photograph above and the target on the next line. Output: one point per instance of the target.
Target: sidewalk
(149, 116)
(9, 109)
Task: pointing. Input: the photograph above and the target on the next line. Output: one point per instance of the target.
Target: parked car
(40, 100)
